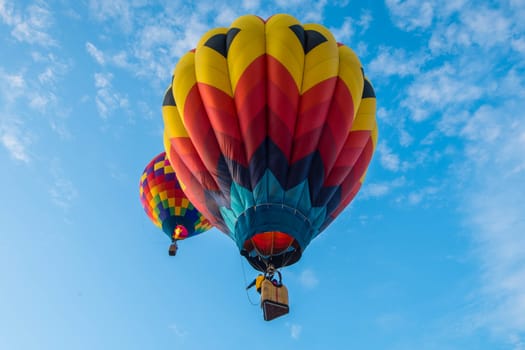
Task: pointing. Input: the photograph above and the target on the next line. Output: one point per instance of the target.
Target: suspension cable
(246, 283)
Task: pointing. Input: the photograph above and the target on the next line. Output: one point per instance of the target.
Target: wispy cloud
(161, 38)
(95, 53)
(478, 25)
(121, 11)
(14, 140)
(345, 32)
(460, 24)
(396, 121)
(470, 95)
(251, 4)
(389, 159)
(395, 62)
(115, 171)
(380, 189)
(295, 330)
(420, 195)
(178, 331)
(30, 25)
(441, 88)
(494, 147)
(62, 190)
(308, 278)
(13, 136)
(35, 86)
(315, 10)
(13, 86)
(107, 99)
(494, 208)
(411, 14)
(226, 16)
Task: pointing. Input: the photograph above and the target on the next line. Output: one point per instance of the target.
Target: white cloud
(315, 10)
(103, 80)
(40, 102)
(375, 190)
(450, 124)
(289, 3)
(344, 32)
(395, 62)
(47, 76)
(477, 25)
(62, 191)
(116, 172)
(308, 278)
(60, 127)
(483, 126)
(348, 28)
(440, 88)
(122, 11)
(16, 144)
(156, 48)
(226, 16)
(364, 20)
(411, 14)
(405, 139)
(12, 135)
(494, 207)
(13, 86)
(448, 37)
(30, 25)
(381, 189)
(121, 59)
(178, 331)
(388, 159)
(107, 99)
(95, 53)
(420, 195)
(295, 330)
(487, 27)
(397, 122)
(251, 5)
(35, 87)
(159, 40)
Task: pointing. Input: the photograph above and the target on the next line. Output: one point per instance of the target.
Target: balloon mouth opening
(179, 232)
(270, 243)
(271, 248)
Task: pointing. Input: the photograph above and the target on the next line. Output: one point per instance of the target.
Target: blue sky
(430, 254)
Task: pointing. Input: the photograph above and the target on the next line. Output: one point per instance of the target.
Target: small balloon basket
(274, 300)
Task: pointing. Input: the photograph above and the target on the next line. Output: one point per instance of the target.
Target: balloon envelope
(271, 127)
(166, 204)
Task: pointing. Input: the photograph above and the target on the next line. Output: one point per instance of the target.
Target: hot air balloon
(271, 127)
(166, 204)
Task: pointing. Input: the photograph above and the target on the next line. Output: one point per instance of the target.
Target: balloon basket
(172, 251)
(274, 300)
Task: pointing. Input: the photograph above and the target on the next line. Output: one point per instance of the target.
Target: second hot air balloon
(166, 204)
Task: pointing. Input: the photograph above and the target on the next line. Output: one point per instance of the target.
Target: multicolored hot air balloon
(166, 204)
(271, 126)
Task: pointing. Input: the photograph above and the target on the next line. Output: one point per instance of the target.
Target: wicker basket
(274, 300)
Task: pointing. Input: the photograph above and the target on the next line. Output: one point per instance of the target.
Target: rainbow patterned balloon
(166, 204)
(271, 126)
